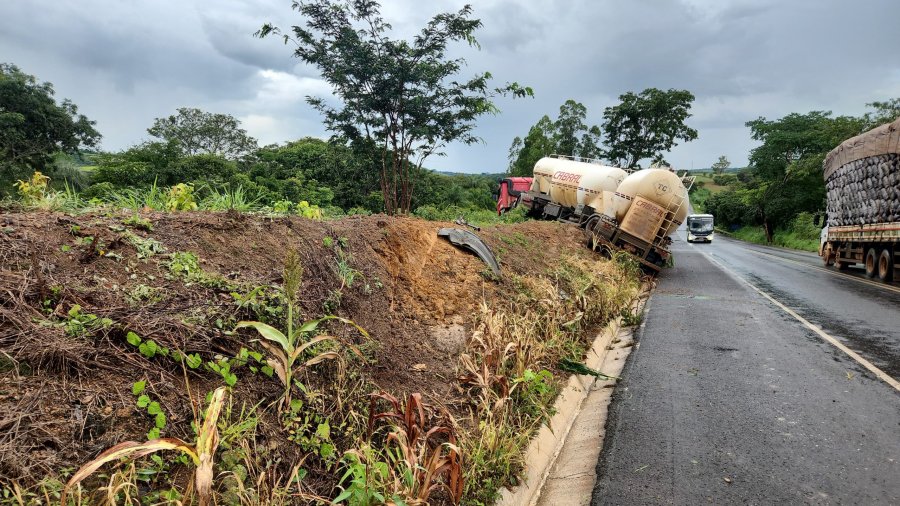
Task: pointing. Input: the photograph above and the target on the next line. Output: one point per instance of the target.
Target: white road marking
(852, 354)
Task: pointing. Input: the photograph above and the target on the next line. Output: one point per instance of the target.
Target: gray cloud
(127, 62)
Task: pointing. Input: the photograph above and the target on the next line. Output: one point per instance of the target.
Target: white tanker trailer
(619, 211)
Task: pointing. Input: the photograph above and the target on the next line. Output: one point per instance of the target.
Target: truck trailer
(618, 211)
(862, 179)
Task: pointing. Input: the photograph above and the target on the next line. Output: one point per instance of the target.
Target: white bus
(699, 227)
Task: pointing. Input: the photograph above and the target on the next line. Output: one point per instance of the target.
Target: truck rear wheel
(871, 263)
(885, 265)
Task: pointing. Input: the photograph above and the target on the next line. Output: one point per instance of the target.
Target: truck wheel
(885, 265)
(871, 263)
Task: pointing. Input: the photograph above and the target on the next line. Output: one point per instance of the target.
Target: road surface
(781, 392)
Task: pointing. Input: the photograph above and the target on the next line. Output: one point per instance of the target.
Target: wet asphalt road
(730, 400)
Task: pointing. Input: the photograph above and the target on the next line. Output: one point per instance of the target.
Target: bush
(123, 173)
(725, 179)
(98, 191)
(206, 168)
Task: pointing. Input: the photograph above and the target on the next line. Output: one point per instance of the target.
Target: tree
(198, 132)
(568, 124)
(787, 165)
(537, 144)
(720, 166)
(403, 96)
(884, 112)
(33, 126)
(561, 137)
(646, 125)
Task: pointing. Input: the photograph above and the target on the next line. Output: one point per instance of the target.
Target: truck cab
(509, 192)
(700, 227)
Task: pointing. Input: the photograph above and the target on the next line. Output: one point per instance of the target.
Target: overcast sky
(126, 62)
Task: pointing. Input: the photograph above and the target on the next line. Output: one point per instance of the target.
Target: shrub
(98, 191)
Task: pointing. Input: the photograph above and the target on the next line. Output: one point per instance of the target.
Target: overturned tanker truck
(619, 211)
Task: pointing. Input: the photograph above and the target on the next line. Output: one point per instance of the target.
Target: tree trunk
(768, 228)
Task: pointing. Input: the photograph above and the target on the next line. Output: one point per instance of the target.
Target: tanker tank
(661, 187)
(570, 183)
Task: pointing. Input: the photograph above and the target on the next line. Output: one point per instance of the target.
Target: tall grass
(479, 217)
(153, 197)
(546, 319)
(229, 198)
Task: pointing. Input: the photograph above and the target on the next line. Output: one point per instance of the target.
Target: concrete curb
(546, 445)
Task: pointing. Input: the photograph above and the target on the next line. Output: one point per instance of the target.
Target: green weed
(78, 323)
(152, 408)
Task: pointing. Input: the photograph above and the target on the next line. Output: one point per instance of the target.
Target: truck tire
(871, 263)
(885, 265)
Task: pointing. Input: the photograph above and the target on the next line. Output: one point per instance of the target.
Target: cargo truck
(618, 211)
(862, 180)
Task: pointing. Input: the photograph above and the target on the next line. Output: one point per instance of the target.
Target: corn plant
(292, 344)
(421, 466)
(286, 356)
(201, 453)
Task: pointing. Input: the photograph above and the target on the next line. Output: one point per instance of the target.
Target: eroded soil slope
(73, 287)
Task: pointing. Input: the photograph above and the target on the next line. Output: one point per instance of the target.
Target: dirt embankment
(65, 388)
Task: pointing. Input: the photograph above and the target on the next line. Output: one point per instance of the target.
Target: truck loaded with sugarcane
(619, 211)
(862, 180)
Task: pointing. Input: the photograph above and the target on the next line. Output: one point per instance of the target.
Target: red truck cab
(509, 192)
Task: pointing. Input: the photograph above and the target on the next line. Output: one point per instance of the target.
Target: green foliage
(33, 127)
(720, 165)
(181, 198)
(152, 408)
(800, 234)
(230, 198)
(561, 137)
(289, 349)
(197, 132)
(725, 179)
(784, 178)
(99, 191)
(413, 106)
(884, 112)
(34, 190)
(533, 392)
(222, 367)
(136, 221)
(699, 196)
(646, 125)
(79, 323)
(478, 217)
(366, 476)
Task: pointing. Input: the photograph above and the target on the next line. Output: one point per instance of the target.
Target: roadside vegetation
(774, 199)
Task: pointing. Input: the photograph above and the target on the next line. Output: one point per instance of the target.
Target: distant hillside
(729, 170)
(496, 175)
